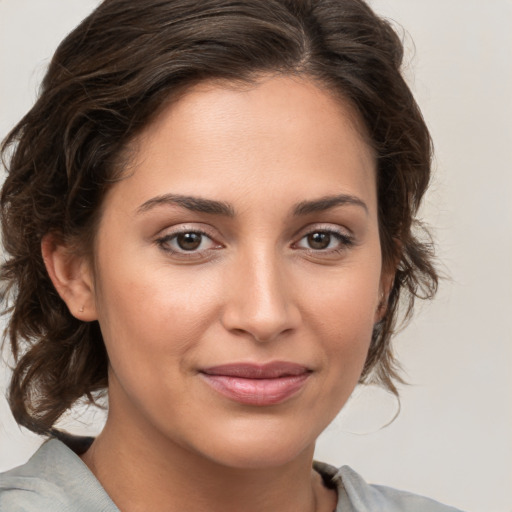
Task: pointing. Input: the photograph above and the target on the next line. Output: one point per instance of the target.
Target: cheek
(341, 310)
(154, 315)
(345, 301)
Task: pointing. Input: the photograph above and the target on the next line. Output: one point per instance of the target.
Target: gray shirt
(55, 479)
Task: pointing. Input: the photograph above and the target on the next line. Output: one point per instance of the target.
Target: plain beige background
(453, 437)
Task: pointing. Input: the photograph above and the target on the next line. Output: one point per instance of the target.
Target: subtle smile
(261, 385)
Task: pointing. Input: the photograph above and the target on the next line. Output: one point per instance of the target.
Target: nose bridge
(260, 300)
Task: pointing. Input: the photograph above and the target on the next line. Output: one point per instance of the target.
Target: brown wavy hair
(107, 81)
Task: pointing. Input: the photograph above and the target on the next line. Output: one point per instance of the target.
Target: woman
(209, 211)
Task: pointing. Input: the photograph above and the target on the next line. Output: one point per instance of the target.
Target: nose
(260, 300)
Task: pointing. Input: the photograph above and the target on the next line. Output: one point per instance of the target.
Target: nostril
(262, 335)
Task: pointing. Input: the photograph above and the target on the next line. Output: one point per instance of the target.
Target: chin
(271, 455)
(259, 446)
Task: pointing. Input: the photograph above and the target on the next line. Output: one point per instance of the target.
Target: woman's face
(238, 272)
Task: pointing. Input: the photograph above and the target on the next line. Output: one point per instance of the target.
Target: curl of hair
(108, 80)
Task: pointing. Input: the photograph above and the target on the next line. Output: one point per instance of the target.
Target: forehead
(259, 110)
(280, 133)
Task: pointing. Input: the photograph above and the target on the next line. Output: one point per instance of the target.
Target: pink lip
(254, 384)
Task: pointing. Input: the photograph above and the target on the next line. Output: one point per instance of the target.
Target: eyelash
(345, 242)
(164, 241)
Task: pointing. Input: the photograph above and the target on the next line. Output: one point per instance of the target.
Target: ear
(72, 277)
(387, 279)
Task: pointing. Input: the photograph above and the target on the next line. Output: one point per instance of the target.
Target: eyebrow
(192, 203)
(326, 203)
(213, 207)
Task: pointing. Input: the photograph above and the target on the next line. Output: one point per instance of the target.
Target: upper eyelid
(215, 235)
(174, 234)
(331, 228)
(186, 228)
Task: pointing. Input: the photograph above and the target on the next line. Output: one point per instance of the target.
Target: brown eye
(325, 242)
(189, 241)
(319, 240)
(188, 244)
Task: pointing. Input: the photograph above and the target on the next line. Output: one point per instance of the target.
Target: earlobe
(71, 275)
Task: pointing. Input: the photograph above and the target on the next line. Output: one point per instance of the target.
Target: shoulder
(21, 493)
(53, 479)
(356, 495)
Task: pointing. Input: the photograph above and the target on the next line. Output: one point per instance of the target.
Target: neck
(142, 471)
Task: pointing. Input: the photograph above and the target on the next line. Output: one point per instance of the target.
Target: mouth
(254, 384)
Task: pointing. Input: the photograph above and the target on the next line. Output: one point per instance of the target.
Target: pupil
(189, 241)
(319, 240)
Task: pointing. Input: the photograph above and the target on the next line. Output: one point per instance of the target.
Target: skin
(253, 291)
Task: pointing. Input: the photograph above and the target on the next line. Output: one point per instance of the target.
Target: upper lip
(272, 370)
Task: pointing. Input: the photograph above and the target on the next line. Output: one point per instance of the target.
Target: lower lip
(257, 391)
